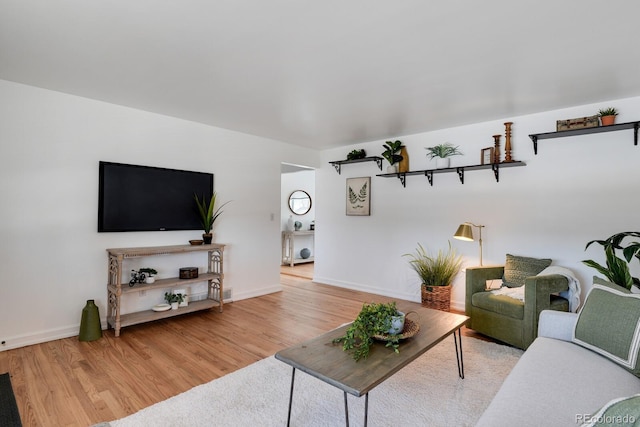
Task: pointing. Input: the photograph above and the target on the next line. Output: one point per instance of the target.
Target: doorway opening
(297, 220)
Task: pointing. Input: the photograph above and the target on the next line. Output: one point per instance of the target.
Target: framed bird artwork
(359, 196)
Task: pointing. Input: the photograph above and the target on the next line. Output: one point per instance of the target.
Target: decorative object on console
(208, 215)
(305, 253)
(185, 296)
(148, 272)
(507, 145)
(617, 270)
(607, 116)
(373, 319)
(173, 299)
(195, 242)
(359, 196)
(356, 154)
(297, 225)
(496, 148)
(436, 273)
(579, 123)
(189, 272)
(391, 154)
(487, 156)
(441, 153)
(465, 232)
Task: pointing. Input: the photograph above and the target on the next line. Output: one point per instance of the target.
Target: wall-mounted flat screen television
(145, 198)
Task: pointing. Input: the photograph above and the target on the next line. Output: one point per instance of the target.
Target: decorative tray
(410, 329)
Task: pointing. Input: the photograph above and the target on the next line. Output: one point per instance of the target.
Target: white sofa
(557, 382)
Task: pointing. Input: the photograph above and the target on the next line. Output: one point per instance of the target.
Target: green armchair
(507, 319)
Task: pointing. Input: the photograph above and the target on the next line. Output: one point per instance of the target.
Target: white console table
(288, 247)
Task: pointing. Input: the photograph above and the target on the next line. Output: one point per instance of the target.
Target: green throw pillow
(609, 324)
(518, 268)
(600, 281)
(620, 412)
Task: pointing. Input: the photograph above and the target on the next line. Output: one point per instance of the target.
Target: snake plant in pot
(208, 214)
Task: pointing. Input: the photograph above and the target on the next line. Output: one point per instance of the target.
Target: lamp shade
(464, 232)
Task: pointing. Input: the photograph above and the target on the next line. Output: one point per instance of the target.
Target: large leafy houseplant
(208, 211)
(435, 270)
(617, 269)
(374, 319)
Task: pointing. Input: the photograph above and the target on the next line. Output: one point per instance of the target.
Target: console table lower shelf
(138, 317)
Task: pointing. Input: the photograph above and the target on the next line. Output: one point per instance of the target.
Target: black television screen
(145, 198)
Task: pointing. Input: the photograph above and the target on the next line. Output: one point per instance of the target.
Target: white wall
(575, 190)
(52, 257)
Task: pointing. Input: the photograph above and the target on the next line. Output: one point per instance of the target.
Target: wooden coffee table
(322, 359)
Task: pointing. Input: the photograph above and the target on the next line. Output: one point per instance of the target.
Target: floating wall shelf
(402, 176)
(338, 163)
(574, 132)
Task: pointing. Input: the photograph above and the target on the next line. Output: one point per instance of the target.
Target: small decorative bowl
(196, 242)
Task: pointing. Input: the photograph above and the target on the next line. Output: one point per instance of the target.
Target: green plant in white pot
(436, 273)
(442, 154)
(392, 148)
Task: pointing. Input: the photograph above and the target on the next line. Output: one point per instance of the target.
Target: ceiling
(327, 73)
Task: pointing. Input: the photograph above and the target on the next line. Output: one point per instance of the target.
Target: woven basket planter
(437, 297)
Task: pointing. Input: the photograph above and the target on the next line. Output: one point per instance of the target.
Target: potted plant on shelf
(617, 269)
(608, 116)
(208, 215)
(356, 155)
(437, 273)
(173, 299)
(374, 319)
(148, 274)
(391, 154)
(442, 154)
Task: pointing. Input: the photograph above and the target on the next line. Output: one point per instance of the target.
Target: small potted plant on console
(173, 299)
(148, 274)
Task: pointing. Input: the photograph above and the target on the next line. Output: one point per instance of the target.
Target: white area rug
(428, 392)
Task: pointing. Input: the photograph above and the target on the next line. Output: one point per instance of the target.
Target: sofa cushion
(500, 304)
(553, 382)
(624, 411)
(518, 268)
(609, 324)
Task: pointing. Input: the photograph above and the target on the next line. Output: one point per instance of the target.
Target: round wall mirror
(300, 202)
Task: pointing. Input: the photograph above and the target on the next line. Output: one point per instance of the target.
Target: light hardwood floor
(72, 383)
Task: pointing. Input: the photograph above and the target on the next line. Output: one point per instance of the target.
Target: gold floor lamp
(465, 232)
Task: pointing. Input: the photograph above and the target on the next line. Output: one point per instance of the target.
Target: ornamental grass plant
(435, 270)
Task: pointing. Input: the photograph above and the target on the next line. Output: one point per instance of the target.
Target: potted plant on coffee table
(375, 319)
(442, 154)
(437, 273)
(208, 215)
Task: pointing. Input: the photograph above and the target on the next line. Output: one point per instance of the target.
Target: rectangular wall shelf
(535, 137)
